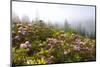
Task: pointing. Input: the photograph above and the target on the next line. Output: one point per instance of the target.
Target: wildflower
(20, 28)
(25, 29)
(78, 48)
(23, 32)
(78, 44)
(49, 44)
(27, 42)
(23, 46)
(50, 40)
(19, 32)
(55, 41)
(17, 37)
(26, 26)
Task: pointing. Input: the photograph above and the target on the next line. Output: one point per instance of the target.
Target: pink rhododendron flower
(78, 44)
(17, 37)
(27, 42)
(20, 28)
(19, 31)
(23, 46)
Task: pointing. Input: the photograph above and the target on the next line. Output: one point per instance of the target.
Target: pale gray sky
(54, 12)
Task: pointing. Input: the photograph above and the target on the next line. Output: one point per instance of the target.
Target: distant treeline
(66, 27)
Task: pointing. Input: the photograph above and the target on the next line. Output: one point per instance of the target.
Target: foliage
(38, 43)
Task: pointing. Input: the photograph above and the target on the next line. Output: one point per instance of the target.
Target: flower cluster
(17, 37)
(78, 44)
(22, 30)
(55, 41)
(25, 45)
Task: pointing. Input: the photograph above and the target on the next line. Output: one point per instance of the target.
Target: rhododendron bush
(38, 43)
(52, 33)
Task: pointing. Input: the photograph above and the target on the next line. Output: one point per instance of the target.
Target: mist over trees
(25, 19)
(15, 18)
(85, 28)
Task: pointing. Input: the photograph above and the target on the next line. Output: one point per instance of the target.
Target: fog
(57, 14)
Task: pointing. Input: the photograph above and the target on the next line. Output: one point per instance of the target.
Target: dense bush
(38, 43)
